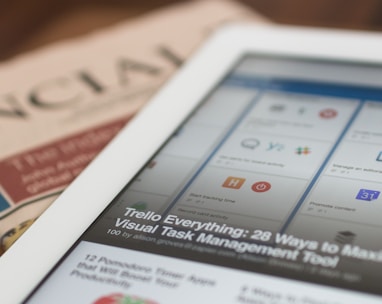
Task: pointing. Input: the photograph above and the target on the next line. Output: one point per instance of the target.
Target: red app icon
(261, 186)
(328, 113)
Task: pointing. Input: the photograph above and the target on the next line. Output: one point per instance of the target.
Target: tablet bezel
(37, 251)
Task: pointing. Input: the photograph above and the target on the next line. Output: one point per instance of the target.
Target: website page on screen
(269, 193)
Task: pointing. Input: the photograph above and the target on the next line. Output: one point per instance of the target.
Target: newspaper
(61, 105)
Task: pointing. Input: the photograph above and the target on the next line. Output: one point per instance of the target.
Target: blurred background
(28, 24)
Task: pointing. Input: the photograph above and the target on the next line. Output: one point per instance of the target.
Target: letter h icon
(233, 182)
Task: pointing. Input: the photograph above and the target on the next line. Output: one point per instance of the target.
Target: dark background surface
(28, 24)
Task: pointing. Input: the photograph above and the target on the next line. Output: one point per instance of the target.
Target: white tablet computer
(254, 176)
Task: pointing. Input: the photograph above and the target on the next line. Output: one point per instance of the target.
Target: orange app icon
(233, 182)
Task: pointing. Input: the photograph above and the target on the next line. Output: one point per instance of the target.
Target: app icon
(301, 111)
(367, 195)
(261, 186)
(250, 143)
(119, 298)
(328, 113)
(140, 206)
(379, 157)
(345, 237)
(303, 150)
(277, 108)
(275, 146)
(233, 182)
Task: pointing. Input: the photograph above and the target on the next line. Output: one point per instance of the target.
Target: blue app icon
(367, 195)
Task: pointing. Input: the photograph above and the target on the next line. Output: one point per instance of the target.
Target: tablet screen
(269, 193)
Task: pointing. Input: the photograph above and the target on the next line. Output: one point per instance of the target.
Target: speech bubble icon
(250, 143)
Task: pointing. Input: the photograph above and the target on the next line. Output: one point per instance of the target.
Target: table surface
(25, 26)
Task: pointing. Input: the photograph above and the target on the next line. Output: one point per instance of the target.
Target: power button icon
(261, 186)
